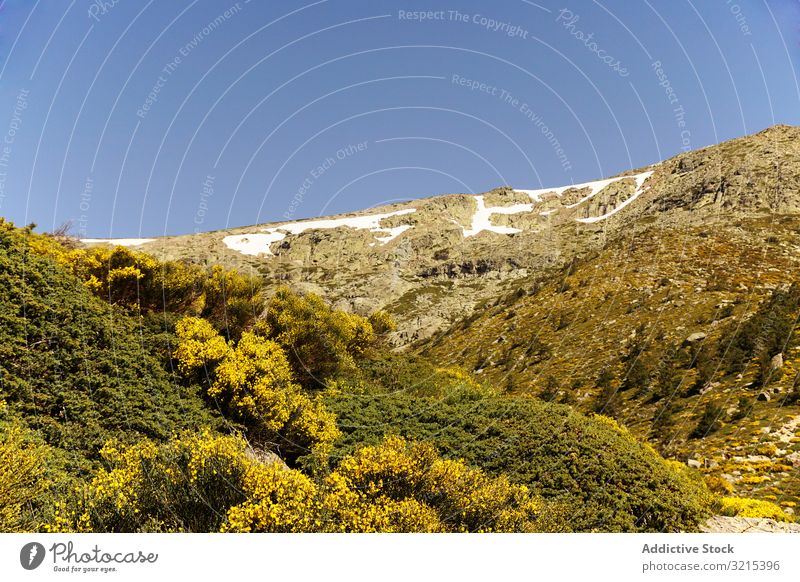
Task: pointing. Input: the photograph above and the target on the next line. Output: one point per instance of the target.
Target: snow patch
(481, 220)
(120, 242)
(393, 233)
(640, 179)
(596, 187)
(259, 243)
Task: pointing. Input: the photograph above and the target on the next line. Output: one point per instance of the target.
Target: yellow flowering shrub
(231, 300)
(199, 345)
(21, 479)
(253, 380)
(137, 280)
(279, 500)
(319, 341)
(186, 484)
(254, 377)
(718, 485)
(204, 482)
(390, 486)
(382, 322)
(744, 507)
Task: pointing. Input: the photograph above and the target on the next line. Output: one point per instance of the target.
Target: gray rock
(721, 524)
(695, 337)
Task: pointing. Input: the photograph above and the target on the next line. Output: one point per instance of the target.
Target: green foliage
(411, 374)
(637, 377)
(135, 280)
(231, 300)
(605, 478)
(664, 382)
(141, 283)
(74, 368)
(763, 335)
(320, 342)
(550, 390)
(664, 421)
(609, 399)
(709, 421)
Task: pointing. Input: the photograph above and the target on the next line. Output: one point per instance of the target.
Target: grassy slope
(632, 302)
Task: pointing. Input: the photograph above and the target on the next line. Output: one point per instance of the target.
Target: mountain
(431, 261)
(146, 396)
(664, 296)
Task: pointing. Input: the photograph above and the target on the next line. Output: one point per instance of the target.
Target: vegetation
(253, 383)
(146, 395)
(688, 336)
(319, 341)
(22, 482)
(606, 479)
(204, 482)
(75, 369)
(740, 507)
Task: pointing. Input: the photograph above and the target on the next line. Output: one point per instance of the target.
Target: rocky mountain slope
(431, 261)
(662, 296)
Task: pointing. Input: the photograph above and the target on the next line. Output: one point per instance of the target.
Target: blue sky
(134, 118)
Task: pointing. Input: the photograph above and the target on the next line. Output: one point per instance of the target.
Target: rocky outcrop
(721, 524)
(426, 263)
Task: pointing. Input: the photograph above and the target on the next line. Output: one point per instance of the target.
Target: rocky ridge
(432, 261)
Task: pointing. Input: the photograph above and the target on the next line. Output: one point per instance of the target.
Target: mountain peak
(432, 260)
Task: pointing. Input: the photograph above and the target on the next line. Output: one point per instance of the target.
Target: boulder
(695, 337)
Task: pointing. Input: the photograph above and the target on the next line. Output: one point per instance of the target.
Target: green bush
(606, 480)
(73, 367)
(321, 342)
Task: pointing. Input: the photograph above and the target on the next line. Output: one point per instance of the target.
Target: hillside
(666, 298)
(145, 396)
(431, 261)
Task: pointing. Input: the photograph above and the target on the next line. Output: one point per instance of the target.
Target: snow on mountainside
(432, 260)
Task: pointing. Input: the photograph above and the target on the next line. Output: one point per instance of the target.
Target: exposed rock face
(720, 524)
(432, 261)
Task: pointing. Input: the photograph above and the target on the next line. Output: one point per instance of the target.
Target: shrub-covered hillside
(143, 395)
(687, 336)
(75, 369)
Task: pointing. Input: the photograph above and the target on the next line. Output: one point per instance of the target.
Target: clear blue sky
(134, 118)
